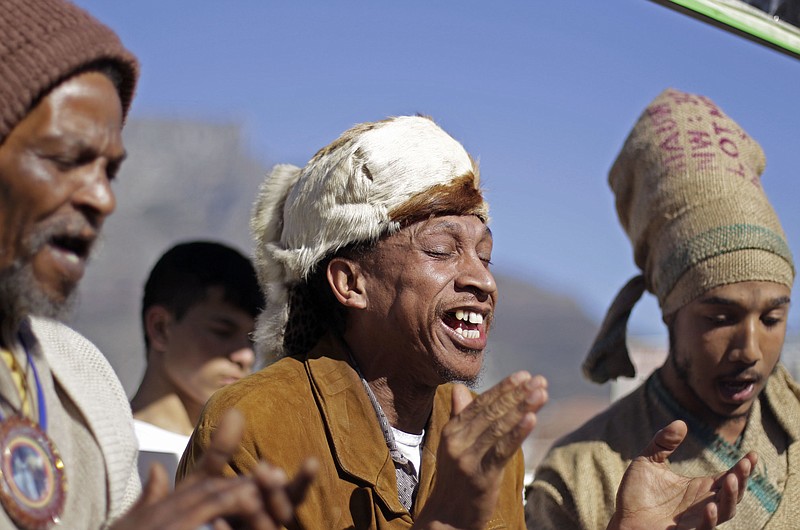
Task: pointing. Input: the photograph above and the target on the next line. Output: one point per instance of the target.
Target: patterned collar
(407, 481)
(728, 453)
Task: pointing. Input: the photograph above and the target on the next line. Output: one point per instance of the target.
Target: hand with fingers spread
(653, 497)
(482, 436)
(266, 500)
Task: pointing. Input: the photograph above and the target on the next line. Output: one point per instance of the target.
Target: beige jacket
(576, 483)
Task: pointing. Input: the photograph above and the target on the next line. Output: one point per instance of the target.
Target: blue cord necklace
(32, 481)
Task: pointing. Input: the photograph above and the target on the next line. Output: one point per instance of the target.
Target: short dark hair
(182, 276)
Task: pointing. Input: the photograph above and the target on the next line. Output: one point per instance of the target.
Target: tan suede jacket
(317, 406)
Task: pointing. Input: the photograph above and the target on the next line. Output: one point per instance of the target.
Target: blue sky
(543, 93)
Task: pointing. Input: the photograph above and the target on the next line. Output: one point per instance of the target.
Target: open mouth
(467, 324)
(74, 248)
(738, 389)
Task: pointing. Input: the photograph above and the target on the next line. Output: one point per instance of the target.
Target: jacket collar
(358, 443)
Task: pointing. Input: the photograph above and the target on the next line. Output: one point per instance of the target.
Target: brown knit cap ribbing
(43, 42)
(688, 193)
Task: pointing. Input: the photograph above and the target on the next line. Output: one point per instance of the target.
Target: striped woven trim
(718, 241)
(759, 485)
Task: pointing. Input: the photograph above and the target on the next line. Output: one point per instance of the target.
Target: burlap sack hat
(367, 183)
(43, 43)
(689, 196)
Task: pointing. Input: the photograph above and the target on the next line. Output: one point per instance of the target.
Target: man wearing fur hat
(711, 249)
(68, 452)
(375, 262)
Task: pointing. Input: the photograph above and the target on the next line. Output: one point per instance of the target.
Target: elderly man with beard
(688, 193)
(375, 263)
(66, 437)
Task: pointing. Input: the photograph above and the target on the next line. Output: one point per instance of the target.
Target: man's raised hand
(652, 497)
(265, 500)
(481, 437)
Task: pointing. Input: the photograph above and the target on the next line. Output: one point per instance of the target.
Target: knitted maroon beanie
(42, 43)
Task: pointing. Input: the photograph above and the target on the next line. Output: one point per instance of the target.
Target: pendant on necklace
(32, 481)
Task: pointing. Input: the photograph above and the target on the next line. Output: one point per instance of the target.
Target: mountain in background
(543, 332)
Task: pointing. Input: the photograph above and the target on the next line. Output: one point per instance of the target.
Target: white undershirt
(158, 445)
(411, 447)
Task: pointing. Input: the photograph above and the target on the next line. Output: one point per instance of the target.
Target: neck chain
(24, 390)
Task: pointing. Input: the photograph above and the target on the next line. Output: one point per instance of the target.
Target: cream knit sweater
(85, 376)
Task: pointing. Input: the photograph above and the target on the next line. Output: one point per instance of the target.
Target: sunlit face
(56, 168)
(208, 348)
(725, 344)
(431, 297)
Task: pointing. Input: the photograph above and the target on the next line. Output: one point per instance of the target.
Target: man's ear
(156, 324)
(347, 282)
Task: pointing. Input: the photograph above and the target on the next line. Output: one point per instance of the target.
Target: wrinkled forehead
(456, 224)
(464, 229)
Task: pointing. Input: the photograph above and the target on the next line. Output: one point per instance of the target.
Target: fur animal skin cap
(371, 181)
